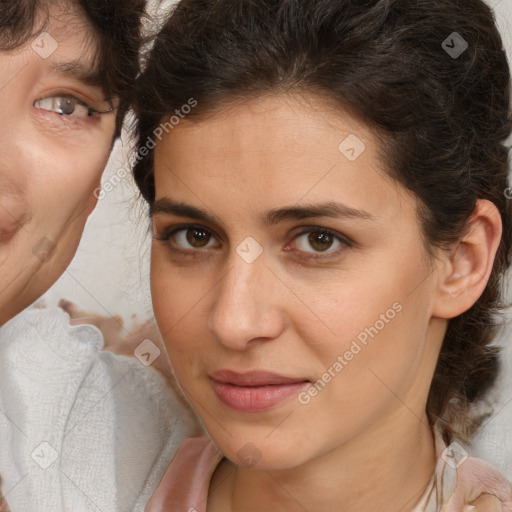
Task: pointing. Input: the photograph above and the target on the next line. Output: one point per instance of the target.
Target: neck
(364, 474)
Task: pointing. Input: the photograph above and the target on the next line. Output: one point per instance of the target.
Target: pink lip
(254, 391)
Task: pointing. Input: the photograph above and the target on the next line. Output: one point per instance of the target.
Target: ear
(466, 267)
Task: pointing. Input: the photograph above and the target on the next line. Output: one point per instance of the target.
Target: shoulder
(488, 503)
(43, 364)
(94, 418)
(466, 481)
(45, 336)
(187, 479)
(483, 487)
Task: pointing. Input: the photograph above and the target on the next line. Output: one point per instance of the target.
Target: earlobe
(469, 264)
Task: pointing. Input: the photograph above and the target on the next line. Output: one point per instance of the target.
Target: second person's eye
(66, 106)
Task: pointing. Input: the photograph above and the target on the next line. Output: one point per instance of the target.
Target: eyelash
(345, 242)
(91, 111)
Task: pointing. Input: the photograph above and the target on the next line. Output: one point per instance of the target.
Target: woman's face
(52, 154)
(290, 281)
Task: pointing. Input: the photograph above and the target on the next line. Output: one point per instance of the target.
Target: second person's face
(52, 154)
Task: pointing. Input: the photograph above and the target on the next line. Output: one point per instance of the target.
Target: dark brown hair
(442, 118)
(116, 34)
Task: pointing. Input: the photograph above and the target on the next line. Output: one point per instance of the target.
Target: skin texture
(295, 310)
(50, 163)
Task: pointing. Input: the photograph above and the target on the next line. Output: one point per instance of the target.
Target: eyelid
(105, 106)
(346, 243)
(166, 234)
(303, 230)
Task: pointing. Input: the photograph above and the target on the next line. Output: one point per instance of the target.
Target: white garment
(493, 441)
(81, 429)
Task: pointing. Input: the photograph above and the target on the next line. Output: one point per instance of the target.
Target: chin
(258, 453)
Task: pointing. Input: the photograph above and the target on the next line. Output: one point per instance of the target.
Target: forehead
(58, 49)
(268, 132)
(48, 26)
(59, 41)
(68, 25)
(273, 151)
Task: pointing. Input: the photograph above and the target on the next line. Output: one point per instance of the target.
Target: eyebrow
(330, 209)
(166, 206)
(271, 217)
(77, 69)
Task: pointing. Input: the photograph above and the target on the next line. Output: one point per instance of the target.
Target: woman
(326, 183)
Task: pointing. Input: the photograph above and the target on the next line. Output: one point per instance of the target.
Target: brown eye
(198, 238)
(189, 238)
(320, 241)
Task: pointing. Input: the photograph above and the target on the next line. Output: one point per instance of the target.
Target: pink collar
(458, 480)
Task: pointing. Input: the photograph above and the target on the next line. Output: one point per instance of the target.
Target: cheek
(166, 296)
(180, 296)
(376, 357)
(73, 181)
(181, 306)
(341, 308)
(376, 318)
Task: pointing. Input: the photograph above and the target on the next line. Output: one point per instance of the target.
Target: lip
(254, 391)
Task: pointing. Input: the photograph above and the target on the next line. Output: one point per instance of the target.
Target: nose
(248, 306)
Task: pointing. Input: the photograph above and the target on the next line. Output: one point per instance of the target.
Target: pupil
(66, 106)
(198, 237)
(320, 241)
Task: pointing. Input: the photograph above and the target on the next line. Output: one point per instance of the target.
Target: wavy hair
(442, 120)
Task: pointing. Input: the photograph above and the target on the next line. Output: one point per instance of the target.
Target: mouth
(254, 391)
